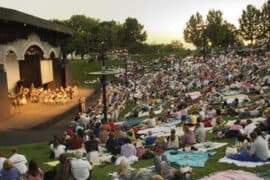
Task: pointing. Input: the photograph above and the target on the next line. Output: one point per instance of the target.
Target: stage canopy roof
(10, 15)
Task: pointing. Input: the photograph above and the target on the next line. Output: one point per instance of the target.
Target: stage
(34, 115)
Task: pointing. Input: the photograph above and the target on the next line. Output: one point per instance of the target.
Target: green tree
(174, 47)
(216, 30)
(220, 32)
(109, 32)
(265, 21)
(132, 33)
(250, 23)
(230, 35)
(191, 33)
(85, 38)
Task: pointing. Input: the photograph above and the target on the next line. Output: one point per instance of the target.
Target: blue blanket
(134, 122)
(188, 158)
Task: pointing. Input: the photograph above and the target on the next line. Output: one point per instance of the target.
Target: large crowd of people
(190, 95)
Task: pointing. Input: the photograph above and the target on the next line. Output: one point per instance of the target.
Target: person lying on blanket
(230, 131)
(163, 168)
(126, 172)
(257, 152)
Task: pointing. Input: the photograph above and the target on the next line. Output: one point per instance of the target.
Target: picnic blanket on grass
(254, 120)
(161, 131)
(73, 151)
(208, 146)
(242, 163)
(188, 158)
(194, 95)
(241, 98)
(233, 175)
(265, 175)
(231, 93)
(52, 163)
(134, 122)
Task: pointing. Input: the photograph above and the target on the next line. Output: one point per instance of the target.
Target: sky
(164, 20)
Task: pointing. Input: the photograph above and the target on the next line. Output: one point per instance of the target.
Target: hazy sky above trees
(164, 20)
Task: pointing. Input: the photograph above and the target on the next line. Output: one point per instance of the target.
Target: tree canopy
(250, 23)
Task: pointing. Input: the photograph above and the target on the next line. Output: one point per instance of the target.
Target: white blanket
(208, 146)
(241, 98)
(254, 120)
(194, 95)
(73, 151)
(242, 163)
(130, 159)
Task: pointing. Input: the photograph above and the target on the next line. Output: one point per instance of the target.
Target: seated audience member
(111, 145)
(258, 151)
(163, 167)
(265, 126)
(127, 173)
(128, 149)
(9, 171)
(219, 123)
(103, 136)
(249, 128)
(78, 128)
(188, 138)
(34, 172)
(199, 132)
(111, 124)
(62, 171)
(131, 135)
(91, 147)
(194, 118)
(2, 159)
(124, 170)
(173, 140)
(57, 149)
(157, 177)
(80, 169)
(150, 139)
(75, 142)
(178, 175)
(19, 161)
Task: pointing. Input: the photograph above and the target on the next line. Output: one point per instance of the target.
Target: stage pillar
(4, 103)
(68, 74)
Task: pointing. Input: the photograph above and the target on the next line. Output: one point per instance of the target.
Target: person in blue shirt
(9, 171)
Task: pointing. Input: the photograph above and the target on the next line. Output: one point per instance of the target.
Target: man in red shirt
(75, 142)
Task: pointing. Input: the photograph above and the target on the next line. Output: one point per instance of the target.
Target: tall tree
(249, 23)
(265, 21)
(108, 31)
(191, 33)
(132, 33)
(85, 39)
(230, 35)
(215, 30)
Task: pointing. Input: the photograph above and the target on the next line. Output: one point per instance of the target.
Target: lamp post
(126, 67)
(103, 73)
(103, 79)
(203, 28)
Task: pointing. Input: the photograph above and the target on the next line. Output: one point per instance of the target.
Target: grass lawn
(40, 152)
(80, 68)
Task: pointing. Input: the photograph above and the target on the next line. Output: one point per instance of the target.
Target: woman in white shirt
(19, 161)
(173, 140)
(259, 147)
(57, 149)
(2, 159)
